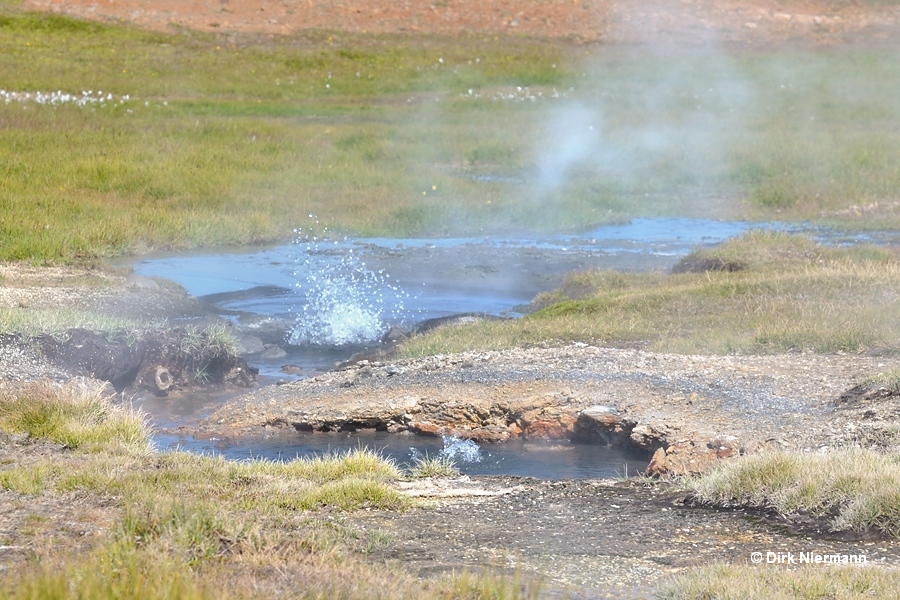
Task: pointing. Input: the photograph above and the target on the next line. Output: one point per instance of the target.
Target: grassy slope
(789, 295)
(222, 143)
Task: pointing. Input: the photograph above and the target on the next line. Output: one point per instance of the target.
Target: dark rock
(115, 358)
(396, 334)
(861, 394)
(159, 360)
(602, 424)
(248, 344)
(458, 319)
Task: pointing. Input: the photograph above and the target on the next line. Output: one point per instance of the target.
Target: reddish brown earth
(744, 21)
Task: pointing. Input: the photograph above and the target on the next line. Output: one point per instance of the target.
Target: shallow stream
(322, 300)
(304, 307)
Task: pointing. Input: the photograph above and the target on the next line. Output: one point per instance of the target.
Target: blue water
(281, 273)
(544, 461)
(327, 299)
(244, 268)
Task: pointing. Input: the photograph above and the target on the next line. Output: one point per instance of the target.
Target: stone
(247, 344)
(491, 434)
(658, 466)
(647, 436)
(141, 282)
(162, 379)
(396, 334)
(724, 442)
(684, 457)
(426, 428)
(273, 353)
(603, 424)
(549, 429)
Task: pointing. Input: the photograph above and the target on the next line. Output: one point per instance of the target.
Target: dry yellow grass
(789, 295)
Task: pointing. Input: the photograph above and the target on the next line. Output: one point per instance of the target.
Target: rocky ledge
(687, 411)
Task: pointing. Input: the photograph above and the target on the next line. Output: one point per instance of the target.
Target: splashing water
(456, 450)
(460, 450)
(341, 301)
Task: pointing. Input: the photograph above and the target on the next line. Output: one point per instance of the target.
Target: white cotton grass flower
(59, 98)
(519, 94)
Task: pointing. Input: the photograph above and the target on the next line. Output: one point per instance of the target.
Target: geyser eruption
(456, 450)
(341, 301)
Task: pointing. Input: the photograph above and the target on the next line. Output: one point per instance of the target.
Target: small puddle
(540, 460)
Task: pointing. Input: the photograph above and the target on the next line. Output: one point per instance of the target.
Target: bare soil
(658, 21)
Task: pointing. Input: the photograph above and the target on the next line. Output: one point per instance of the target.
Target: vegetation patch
(432, 466)
(791, 295)
(120, 141)
(178, 525)
(766, 582)
(34, 322)
(887, 380)
(188, 523)
(857, 489)
(78, 414)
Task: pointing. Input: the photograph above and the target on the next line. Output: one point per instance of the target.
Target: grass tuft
(889, 380)
(78, 414)
(860, 487)
(118, 571)
(750, 582)
(432, 466)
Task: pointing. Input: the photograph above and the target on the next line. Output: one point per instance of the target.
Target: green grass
(861, 488)
(766, 582)
(77, 415)
(117, 573)
(226, 142)
(54, 321)
(433, 466)
(790, 295)
(177, 525)
(889, 380)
